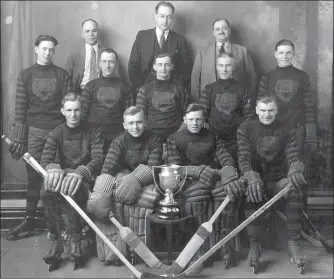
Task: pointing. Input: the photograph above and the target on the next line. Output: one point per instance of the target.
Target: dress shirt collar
(226, 45)
(158, 31)
(89, 47)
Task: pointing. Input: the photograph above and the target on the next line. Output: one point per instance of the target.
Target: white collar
(89, 47)
(158, 31)
(226, 44)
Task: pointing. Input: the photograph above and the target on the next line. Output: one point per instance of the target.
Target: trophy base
(168, 212)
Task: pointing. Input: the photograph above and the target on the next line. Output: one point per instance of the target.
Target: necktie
(92, 65)
(162, 40)
(221, 49)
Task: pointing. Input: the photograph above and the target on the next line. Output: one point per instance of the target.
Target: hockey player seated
(269, 159)
(72, 156)
(125, 187)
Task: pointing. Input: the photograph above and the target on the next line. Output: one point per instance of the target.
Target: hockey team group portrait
(147, 139)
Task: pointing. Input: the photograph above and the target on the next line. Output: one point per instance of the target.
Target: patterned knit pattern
(226, 106)
(185, 148)
(266, 149)
(104, 102)
(164, 103)
(291, 86)
(127, 152)
(38, 94)
(76, 146)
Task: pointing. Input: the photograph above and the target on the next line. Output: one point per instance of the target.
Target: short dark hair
(42, 38)
(220, 19)
(161, 55)
(164, 3)
(266, 99)
(71, 96)
(89, 19)
(285, 42)
(109, 50)
(194, 107)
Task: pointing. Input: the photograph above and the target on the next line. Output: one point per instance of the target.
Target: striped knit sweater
(75, 147)
(186, 148)
(164, 103)
(266, 149)
(127, 152)
(39, 91)
(226, 106)
(104, 102)
(296, 103)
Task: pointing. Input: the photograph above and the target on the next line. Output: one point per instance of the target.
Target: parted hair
(220, 19)
(269, 98)
(132, 111)
(42, 38)
(285, 42)
(70, 96)
(226, 55)
(161, 55)
(164, 3)
(194, 107)
(109, 50)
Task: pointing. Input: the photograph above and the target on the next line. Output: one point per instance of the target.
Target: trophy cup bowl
(170, 183)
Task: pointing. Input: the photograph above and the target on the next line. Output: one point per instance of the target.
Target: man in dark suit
(204, 71)
(79, 63)
(149, 43)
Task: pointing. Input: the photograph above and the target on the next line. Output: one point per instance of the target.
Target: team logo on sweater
(163, 101)
(44, 88)
(268, 147)
(75, 151)
(197, 150)
(135, 157)
(108, 96)
(286, 89)
(226, 102)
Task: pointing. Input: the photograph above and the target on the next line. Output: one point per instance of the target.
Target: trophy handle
(155, 182)
(184, 179)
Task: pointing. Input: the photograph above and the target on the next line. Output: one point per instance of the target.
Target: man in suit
(79, 63)
(149, 43)
(204, 71)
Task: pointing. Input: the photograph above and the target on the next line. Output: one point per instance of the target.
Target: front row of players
(268, 159)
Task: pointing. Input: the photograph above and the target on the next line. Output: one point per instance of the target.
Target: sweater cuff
(52, 166)
(296, 167)
(228, 174)
(143, 174)
(105, 183)
(20, 132)
(83, 171)
(311, 133)
(252, 176)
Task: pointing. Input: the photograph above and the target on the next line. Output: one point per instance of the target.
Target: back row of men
(223, 81)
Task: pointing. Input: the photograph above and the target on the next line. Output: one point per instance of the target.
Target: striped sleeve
(263, 87)
(67, 85)
(50, 152)
(173, 155)
(244, 150)
(96, 153)
(309, 101)
(292, 151)
(155, 156)
(112, 161)
(21, 102)
(204, 101)
(86, 99)
(223, 156)
(141, 100)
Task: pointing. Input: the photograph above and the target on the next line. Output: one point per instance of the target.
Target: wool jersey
(75, 146)
(164, 103)
(291, 86)
(39, 91)
(226, 105)
(104, 102)
(186, 148)
(127, 152)
(266, 149)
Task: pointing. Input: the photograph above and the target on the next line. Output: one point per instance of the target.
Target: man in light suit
(79, 63)
(151, 42)
(204, 71)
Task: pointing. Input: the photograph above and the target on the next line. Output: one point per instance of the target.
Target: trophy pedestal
(168, 212)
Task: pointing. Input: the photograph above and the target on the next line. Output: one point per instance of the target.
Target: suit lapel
(212, 60)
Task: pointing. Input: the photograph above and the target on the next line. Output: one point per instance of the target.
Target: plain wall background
(258, 25)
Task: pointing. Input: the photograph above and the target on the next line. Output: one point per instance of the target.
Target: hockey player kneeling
(125, 187)
(269, 159)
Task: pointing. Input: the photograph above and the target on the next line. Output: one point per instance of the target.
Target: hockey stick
(233, 233)
(32, 162)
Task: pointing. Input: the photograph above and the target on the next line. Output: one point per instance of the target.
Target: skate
(295, 253)
(76, 255)
(228, 256)
(116, 262)
(254, 255)
(24, 229)
(53, 257)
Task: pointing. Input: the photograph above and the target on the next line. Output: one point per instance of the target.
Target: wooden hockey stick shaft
(32, 162)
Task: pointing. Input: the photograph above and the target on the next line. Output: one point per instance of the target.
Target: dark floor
(22, 259)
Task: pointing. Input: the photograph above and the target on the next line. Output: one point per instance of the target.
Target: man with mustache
(205, 71)
(269, 159)
(39, 91)
(152, 42)
(198, 149)
(82, 62)
(105, 99)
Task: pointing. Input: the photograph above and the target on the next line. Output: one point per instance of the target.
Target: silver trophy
(170, 183)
